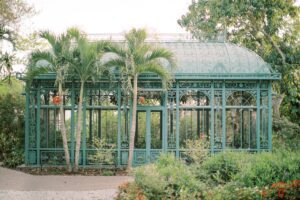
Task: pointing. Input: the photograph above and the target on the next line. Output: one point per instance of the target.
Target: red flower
(56, 100)
(280, 186)
(142, 100)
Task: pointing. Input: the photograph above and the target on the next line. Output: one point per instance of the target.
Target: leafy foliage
(104, 157)
(11, 129)
(168, 178)
(286, 135)
(227, 175)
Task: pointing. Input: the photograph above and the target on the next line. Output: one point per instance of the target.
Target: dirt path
(18, 185)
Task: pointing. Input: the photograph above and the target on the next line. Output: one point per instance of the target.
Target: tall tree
(12, 12)
(269, 27)
(54, 60)
(85, 64)
(133, 58)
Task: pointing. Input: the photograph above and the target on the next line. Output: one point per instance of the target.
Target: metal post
(177, 119)
(270, 115)
(148, 134)
(83, 139)
(165, 122)
(119, 126)
(258, 116)
(72, 123)
(38, 124)
(223, 116)
(212, 118)
(27, 90)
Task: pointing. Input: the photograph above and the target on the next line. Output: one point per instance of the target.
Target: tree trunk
(79, 124)
(277, 100)
(63, 128)
(133, 123)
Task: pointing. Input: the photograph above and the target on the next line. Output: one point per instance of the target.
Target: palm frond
(161, 53)
(50, 37)
(41, 56)
(116, 62)
(116, 49)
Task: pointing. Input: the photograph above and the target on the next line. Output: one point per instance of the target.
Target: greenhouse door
(148, 138)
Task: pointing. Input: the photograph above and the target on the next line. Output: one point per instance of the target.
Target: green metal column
(258, 116)
(119, 126)
(27, 90)
(83, 139)
(223, 116)
(165, 123)
(72, 123)
(148, 134)
(212, 118)
(38, 126)
(177, 120)
(270, 115)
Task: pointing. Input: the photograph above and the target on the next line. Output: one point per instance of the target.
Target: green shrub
(285, 134)
(221, 167)
(11, 129)
(104, 154)
(168, 178)
(196, 151)
(263, 169)
(233, 192)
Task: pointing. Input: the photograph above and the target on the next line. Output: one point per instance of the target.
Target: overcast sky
(108, 16)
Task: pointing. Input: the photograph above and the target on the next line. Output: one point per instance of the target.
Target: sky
(107, 16)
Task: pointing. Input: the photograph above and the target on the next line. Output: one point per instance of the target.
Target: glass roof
(215, 58)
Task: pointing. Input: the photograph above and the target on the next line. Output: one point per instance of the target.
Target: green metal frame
(218, 90)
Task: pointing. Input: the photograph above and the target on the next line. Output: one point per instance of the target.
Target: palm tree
(6, 58)
(134, 58)
(85, 64)
(54, 60)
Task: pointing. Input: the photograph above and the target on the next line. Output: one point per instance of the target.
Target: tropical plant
(133, 58)
(54, 60)
(85, 64)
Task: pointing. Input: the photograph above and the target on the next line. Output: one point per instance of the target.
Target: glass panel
(124, 128)
(188, 126)
(241, 128)
(264, 128)
(140, 135)
(171, 129)
(109, 126)
(156, 131)
(194, 98)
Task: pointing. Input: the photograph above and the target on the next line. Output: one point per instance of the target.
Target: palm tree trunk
(133, 123)
(79, 124)
(63, 128)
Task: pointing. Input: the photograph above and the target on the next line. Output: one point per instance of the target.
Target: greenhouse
(221, 93)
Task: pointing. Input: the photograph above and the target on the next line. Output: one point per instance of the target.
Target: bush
(196, 151)
(233, 192)
(11, 129)
(220, 168)
(286, 134)
(168, 178)
(226, 175)
(263, 169)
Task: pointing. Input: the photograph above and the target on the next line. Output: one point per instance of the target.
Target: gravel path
(17, 185)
